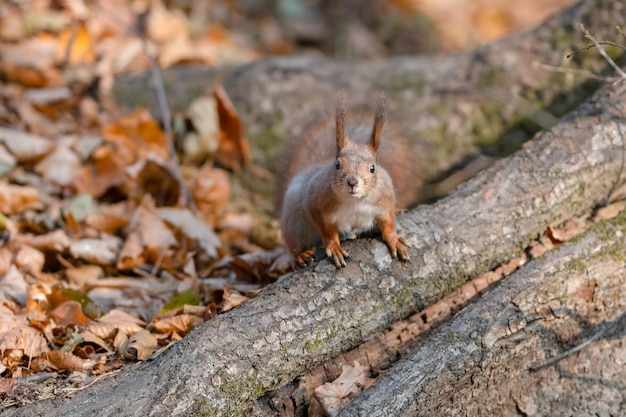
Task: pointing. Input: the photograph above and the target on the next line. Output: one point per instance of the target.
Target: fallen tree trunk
(480, 362)
(315, 314)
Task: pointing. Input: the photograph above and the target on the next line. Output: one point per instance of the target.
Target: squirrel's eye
(337, 164)
(372, 168)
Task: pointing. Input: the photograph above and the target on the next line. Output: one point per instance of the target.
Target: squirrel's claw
(305, 258)
(400, 250)
(335, 252)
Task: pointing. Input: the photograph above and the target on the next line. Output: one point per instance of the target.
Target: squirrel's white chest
(354, 216)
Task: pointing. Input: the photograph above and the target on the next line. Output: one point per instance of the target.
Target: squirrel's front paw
(335, 252)
(398, 248)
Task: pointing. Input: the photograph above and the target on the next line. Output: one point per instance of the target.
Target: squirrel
(331, 189)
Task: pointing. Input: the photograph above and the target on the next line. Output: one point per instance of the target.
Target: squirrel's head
(356, 165)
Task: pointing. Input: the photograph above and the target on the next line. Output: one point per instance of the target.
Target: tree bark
(319, 312)
(479, 363)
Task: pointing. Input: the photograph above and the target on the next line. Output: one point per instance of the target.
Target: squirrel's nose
(352, 181)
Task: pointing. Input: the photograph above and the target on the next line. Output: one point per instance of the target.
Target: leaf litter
(103, 261)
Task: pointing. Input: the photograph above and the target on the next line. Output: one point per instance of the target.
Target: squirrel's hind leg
(305, 258)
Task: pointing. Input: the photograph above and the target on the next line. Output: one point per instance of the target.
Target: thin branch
(574, 71)
(602, 52)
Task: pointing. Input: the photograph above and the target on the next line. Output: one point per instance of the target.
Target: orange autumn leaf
(181, 324)
(77, 45)
(210, 189)
(233, 151)
(135, 135)
(68, 361)
(17, 198)
(69, 312)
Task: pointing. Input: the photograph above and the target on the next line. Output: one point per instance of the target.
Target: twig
(602, 52)
(569, 352)
(574, 71)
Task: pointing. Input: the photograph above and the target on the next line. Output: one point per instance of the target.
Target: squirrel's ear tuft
(379, 121)
(340, 121)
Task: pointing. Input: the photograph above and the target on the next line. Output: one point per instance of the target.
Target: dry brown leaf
(254, 267)
(6, 259)
(149, 239)
(13, 286)
(30, 260)
(203, 140)
(37, 301)
(231, 299)
(139, 346)
(134, 136)
(131, 253)
(210, 188)
(110, 219)
(164, 25)
(152, 175)
(101, 251)
(102, 330)
(124, 322)
(181, 324)
(233, 151)
(81, 49)
(56, 241)
(69, 312)
(25, 339)
(106, 171)
(7, 161)
(333, 396)
(83, 275)
(24, 146)
(193, 228)
(62, 166)
(6, 385)
(15, 199)
(92, 338)
(68, 361)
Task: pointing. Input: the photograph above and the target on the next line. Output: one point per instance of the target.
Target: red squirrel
(330, 190)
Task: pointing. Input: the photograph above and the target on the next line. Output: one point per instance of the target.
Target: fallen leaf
(25, 339)
(70, 362)
(84, 275)
(231, 300)
(101, 251)
(210, 189)
(13, 286)
(30, 260)
(61, 166)
(68, 313)
(139, 346)
(181, 324)
(15, 199)
(75, 46)
(56, 241)
(25, 147)
(193, 228)
(153, 176)
(149, 239)
(7, 160)
(333, 396)
(203, 141)
(124, 322)
(233, 151)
